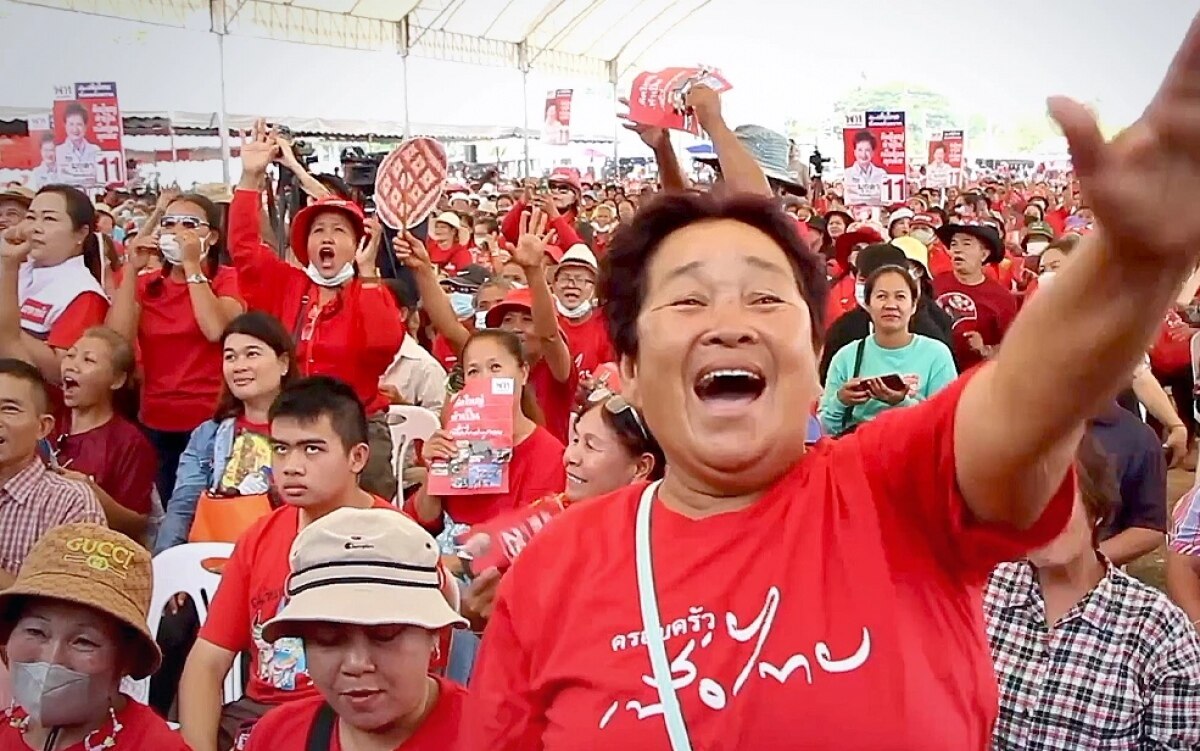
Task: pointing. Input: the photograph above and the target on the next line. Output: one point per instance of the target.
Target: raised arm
(256, 264)
(670, 174)
(14, 249)
(1020, 419)
(738, 168)
(412, 253)
(309, 184)
(530, 253)
(124, 313)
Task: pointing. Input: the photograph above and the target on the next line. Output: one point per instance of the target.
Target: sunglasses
(561, 189)
(616, 405)
(187, 222)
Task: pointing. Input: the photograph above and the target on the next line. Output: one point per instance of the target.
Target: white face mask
(584, 308)
(925, 234)
(1036, 247)
(53, 695)
(169, 247)
(481, 320)
(860, 293)
(337, 280)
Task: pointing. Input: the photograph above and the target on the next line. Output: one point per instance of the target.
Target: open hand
(530, 252)
(166, 196)
(259, 148)
(1142, 184)
(651, 135)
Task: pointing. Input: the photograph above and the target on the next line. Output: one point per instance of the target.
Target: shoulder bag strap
(858, 358)
(652, 627)
(320, 735)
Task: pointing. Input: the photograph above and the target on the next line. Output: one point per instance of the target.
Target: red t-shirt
(1171, 352)
(181, 367)
(250, 594)
(451, 259)
(287, 727)
(841, 299)
(84, 312)
(444, 353)
(556, 398)
(589, 343)
(141, 728)
(118, 456)
(939, 259)
(842, 610)
(986, 307)
(536, 470)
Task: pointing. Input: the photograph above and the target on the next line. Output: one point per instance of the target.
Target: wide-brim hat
(845, 215)
(17, 193)
(90, 565)
(982, 232)
(307, 215)
(1040, 229)
(769, 148)
(468, 279)
(914, 250)
(843, 246)
(365, 567)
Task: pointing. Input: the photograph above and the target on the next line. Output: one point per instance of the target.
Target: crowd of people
(788, 459)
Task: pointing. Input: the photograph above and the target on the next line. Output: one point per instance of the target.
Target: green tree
(927, 110)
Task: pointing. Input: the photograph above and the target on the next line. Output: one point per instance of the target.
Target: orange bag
(224, 519)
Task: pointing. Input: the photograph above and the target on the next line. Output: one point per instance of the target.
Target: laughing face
(88, 375)
(725, 343)
(332, 241)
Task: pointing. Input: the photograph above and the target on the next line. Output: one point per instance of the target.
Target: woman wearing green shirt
(892, 367)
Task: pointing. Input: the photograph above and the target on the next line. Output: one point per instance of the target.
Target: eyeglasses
(575, 281)
(187, 222)
(561, 189)
(616, 405)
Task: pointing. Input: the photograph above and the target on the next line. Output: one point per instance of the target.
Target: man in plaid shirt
(33, 499)
(1086, 656)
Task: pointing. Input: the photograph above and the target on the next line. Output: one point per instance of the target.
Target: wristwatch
(197, 279)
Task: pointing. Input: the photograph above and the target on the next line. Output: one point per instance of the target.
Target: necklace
(21, 723)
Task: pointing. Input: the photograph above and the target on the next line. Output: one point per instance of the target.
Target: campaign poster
(556, 130)
(88, 152)
(658, 97)
(875, 159)
(481, 424)
(945, 159)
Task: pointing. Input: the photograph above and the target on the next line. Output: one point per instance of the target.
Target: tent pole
(523, 63)
(221, 124)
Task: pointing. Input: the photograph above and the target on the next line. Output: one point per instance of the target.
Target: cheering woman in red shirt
(176, 317)
(345, 323)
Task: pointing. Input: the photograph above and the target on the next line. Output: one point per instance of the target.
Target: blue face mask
(463, 304)
(118, 234)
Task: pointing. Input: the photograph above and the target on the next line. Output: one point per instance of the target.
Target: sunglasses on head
(187, 222)
(616, 405)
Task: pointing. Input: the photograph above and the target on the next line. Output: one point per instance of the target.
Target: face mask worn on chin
(584, 308)
(925, 234)
(463, 304)
(1036, 247)
(337, 280)
(52, 695)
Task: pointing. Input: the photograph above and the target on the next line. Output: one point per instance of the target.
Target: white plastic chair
(180, 570)
(1196, 373)
(407, 424)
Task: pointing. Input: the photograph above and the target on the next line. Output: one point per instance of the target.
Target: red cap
(304, 219)
(516, 299)
(555, 252)
(929, 220)
(566, 175)
(847, 240)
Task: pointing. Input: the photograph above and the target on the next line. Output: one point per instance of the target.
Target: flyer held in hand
(498, 542)
(657, 98)
(481, 424)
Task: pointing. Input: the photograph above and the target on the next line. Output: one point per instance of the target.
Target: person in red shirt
(319, 436)
(364, 598)
(49, 279)
(73, 626)
(836, 223)
(846, 291)
(579, 316)
(981, 309)
(176, 316)
(756, 594)
(604, 223)
(96, 445)
(560, 204)
(536, 469)
(924, 228)
(345, 322)
(445, 250)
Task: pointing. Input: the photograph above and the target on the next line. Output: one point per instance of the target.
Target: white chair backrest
(1196, 372)
(179, 570)
(407, 424)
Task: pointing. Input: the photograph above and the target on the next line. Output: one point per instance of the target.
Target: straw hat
(89, 564)
(366, 567)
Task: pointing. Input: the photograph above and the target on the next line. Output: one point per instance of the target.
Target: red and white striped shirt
(34, 501)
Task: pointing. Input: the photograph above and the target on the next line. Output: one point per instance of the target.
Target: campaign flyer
(657, 97)
(481, 424)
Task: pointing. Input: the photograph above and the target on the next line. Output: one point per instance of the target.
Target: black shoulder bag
(858, 357)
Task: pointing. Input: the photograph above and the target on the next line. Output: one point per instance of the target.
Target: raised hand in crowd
(259, 149)
(530, 251)
(287, 157)
(16, 245)
(739, 169)
(140, 250)
(670, 173)
(368, 250)
(411, 252)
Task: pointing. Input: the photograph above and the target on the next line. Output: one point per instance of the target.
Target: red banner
(556, 130)
(34, 151)
(497, 542)
(87, 135)
(657, 98)
(875, 159)
(945, 159)
(481, 424)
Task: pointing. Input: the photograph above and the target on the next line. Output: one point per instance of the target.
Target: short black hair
(335, 185)
(75, 108)
(23, 371)
(309, 399)
(403, 292)
(622, 283)
(866, 136)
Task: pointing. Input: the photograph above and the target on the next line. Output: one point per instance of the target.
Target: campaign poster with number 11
(876, 160)
(88, 151)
